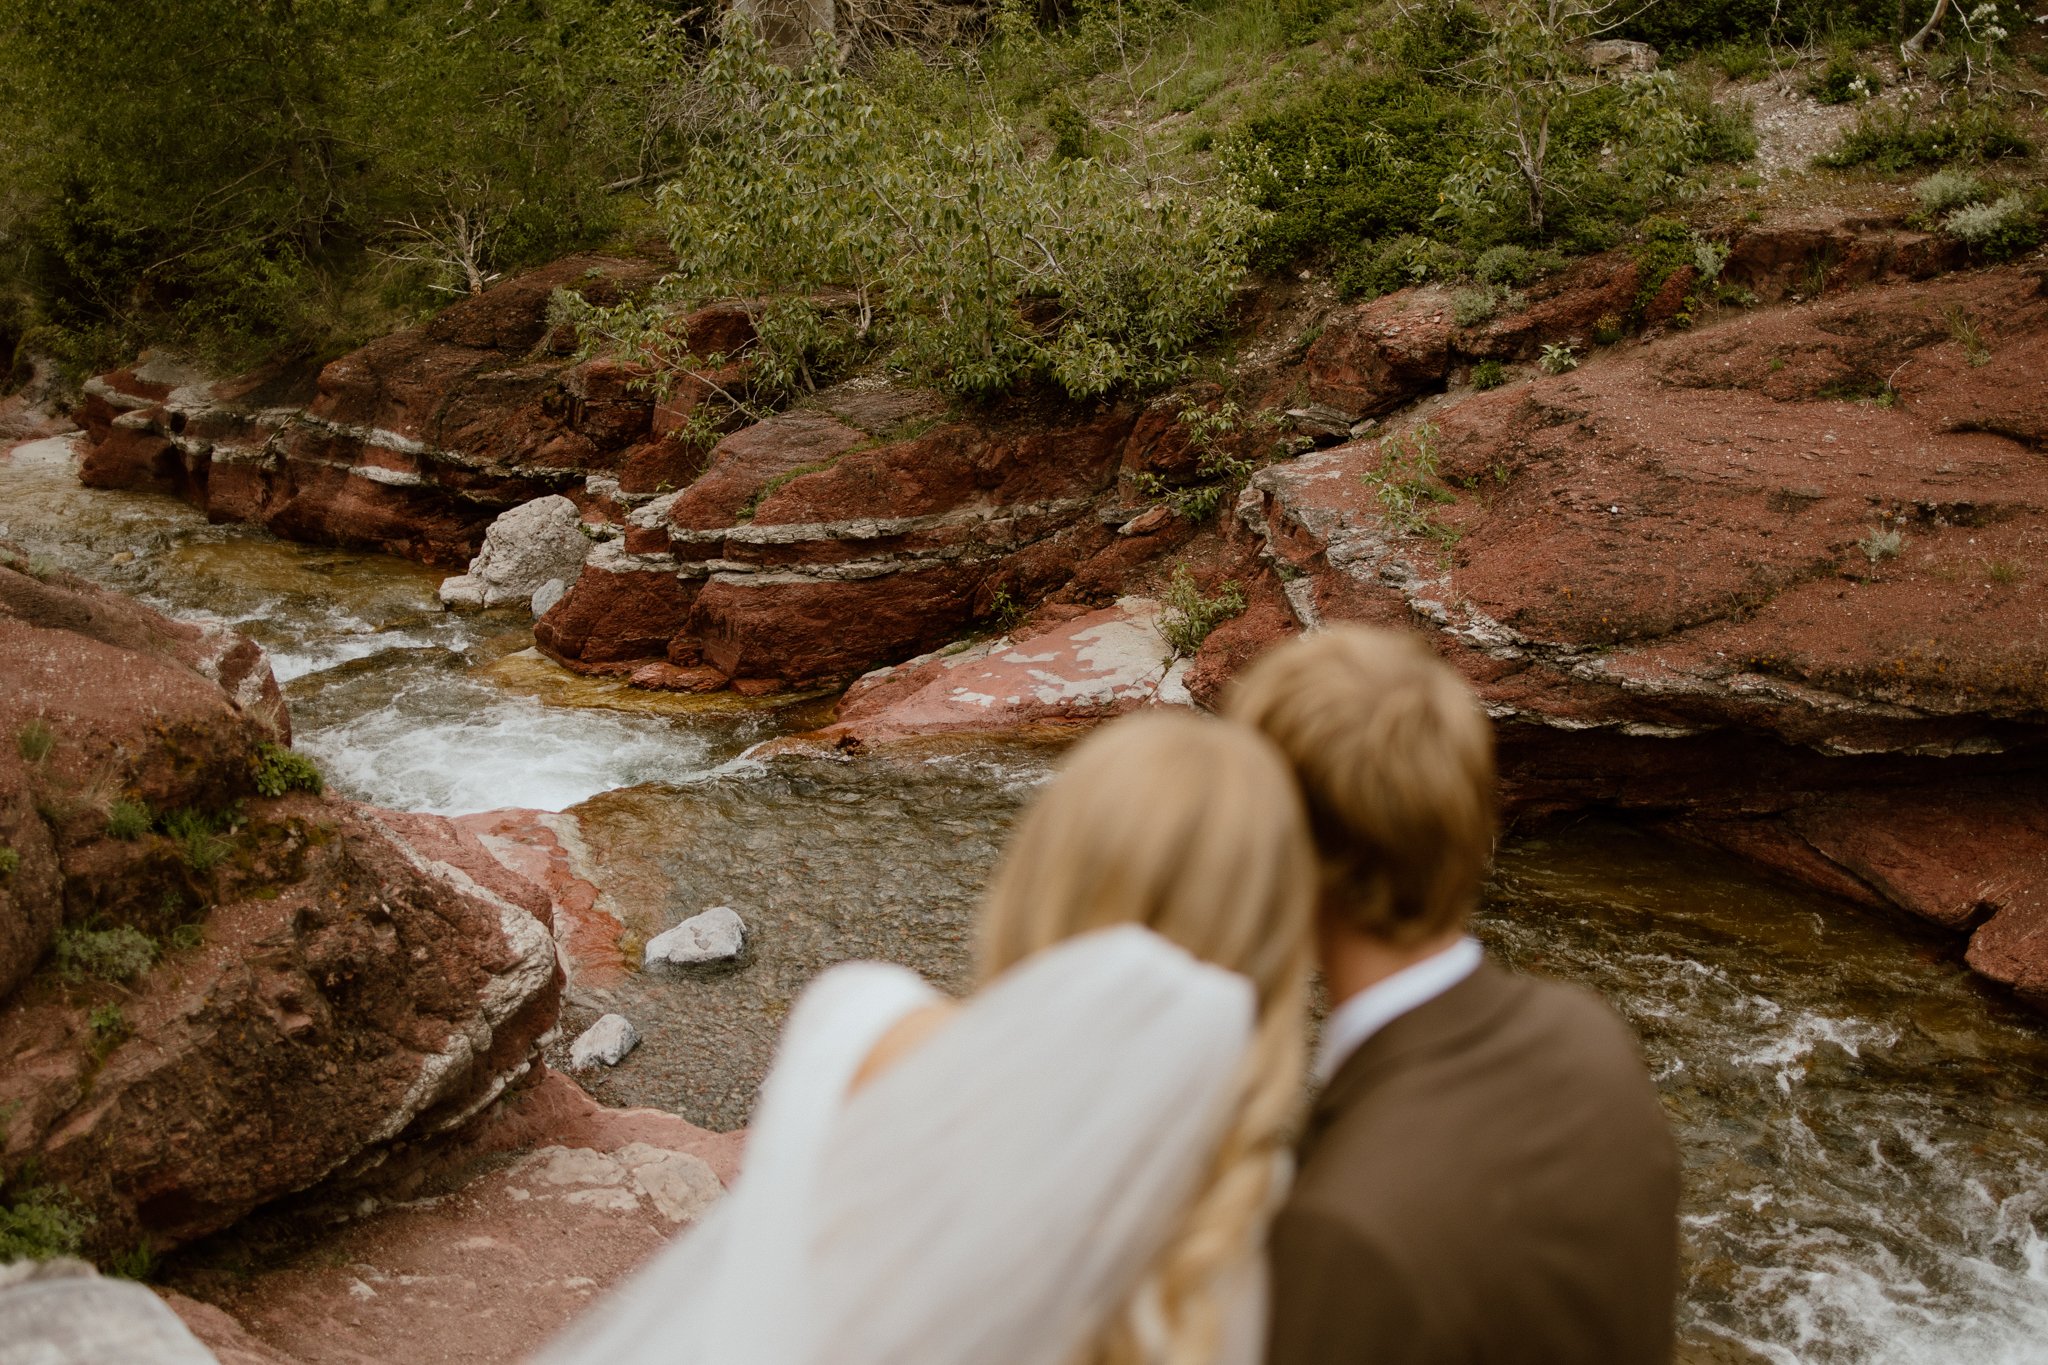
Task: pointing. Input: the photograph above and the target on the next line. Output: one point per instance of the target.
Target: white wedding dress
(991, 1199)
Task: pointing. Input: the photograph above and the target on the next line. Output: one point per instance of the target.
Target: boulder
(1620, 54)
(304, 982)
(546, 595)
(604, 1043)
(716, 935)
(525, 549)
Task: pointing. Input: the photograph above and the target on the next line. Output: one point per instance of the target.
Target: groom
(1487, 1175)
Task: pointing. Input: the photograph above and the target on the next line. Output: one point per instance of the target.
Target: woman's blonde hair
(1193, 828)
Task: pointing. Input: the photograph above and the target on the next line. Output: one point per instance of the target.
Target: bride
(1074, 1165)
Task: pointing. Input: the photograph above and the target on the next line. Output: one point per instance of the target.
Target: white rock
(607, 1041)
(717, 935)
(1620, 54)
(463, 590)
(546, 595)
(524, 549)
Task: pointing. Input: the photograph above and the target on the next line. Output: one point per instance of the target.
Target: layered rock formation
(211, 997)
(1782, 577)
(411, 444)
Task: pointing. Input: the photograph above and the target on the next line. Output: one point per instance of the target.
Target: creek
(1864, 1127)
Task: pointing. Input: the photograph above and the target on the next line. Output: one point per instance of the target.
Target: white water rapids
(1865, 1128)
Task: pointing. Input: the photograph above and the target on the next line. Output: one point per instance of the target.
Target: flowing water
(1865, 1129)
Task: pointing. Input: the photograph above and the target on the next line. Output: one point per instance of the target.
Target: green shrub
(108, 1028)
(118, 954)
(34, 741)
(1739, 61)
(128, 820)
(1843, 80)
(1897, 139)
(38, 1223)
(1515, 266)
(1190, 615)
(1433, 37)
(1489, 374)
(10, 862)
(1406, 485)
(973, 266)
(2000, 230)
(1558, 358)
(1680, 27)
(1382, 267)
(331, 146)
(1470, 307)
(186, 937)
(279, 770)
(1072, 134)
(1351, 159)
(197, 838)
(1948, 190)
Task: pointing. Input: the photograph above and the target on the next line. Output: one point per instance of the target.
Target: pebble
(717, 935)
(607, 1041)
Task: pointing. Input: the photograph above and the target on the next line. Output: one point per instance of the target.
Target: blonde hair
(1193, 828)
(1395, 760)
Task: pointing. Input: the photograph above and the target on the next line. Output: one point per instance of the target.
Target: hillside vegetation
(1052, 194)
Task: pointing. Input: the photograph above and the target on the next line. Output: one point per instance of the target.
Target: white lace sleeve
(992, 1197)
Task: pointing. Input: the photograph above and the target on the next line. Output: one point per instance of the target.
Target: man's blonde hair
(1395, 760)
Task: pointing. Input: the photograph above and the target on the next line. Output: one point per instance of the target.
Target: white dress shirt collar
(1381, 1003)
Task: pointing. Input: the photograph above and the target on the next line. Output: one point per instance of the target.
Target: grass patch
(1191, 615)
(129, 820)
(198, 838)
(1882, 544)
(1489, 374)
(34, 741)
(108, 1028)
(1962, 329)
(279, 770)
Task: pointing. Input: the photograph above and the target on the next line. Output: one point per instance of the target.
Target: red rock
(1084, 669)
(617, 611)
(360, 979)
(1668, 584)
(545, 850)
(668, 677)
(410, 445)
(804, 632)
(1821, 249)
(489, 1270)
(1373, 357)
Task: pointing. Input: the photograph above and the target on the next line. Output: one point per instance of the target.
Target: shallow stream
(1865, 1128)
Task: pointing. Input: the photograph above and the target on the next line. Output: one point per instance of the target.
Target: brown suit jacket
(1488, 1180)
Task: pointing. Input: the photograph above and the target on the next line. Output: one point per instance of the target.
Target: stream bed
(1864, 1127)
